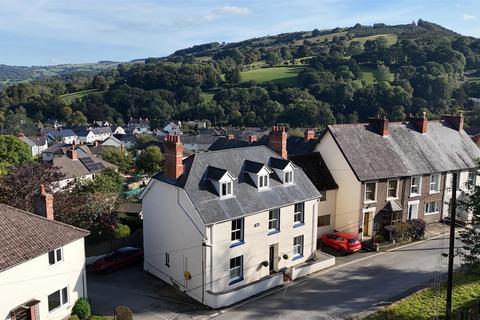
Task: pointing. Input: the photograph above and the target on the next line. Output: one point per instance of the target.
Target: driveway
(147, 296)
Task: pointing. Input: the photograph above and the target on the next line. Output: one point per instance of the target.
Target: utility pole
(453, 211)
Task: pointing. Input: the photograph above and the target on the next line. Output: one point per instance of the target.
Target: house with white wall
(36, 144)
(42, 263)
(389, 172)
(225, 225)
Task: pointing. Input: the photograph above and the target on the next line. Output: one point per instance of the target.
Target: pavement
(357, 285)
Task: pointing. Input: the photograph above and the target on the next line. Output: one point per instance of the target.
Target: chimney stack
(173, 157)
(381, 125)
(457, 121)
(44, 203)
(309, 134)
(277, 140)
(252, 138)
(420, 123)
(72, 152)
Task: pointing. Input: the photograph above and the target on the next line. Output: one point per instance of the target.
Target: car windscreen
(352, 241)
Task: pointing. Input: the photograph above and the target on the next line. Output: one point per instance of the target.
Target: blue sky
(41, 32)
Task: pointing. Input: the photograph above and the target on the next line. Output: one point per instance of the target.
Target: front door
(271, 258)
(412, 211)
(366, 224)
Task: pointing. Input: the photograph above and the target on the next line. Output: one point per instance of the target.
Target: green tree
(273, 58)
(150, 160)
(13, 152)
(233, 76)
(107, 181)
(18, 122)
(119, 157)
(100, 83)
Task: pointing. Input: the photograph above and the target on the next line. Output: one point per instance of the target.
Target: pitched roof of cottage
(24, 236)
(35, 141)
(247, 199)
(79, 168)
(404, 151)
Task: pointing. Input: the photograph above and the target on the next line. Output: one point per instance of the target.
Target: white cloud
(233, 10)
(468, 17)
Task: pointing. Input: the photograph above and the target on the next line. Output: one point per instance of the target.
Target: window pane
(64, 295)
(51, 257)
(54, 300)
(59, 254)
(324, 220)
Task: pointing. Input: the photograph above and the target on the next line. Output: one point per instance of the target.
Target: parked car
(342, 241)
(121, 258)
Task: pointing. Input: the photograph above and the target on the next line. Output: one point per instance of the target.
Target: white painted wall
(255, 250)
(347, 214)
(169, 228)
(36, 279)
(463, 190)
(89, 138)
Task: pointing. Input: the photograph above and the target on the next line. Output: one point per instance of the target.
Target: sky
(48, 32)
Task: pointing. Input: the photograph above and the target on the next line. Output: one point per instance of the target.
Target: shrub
(417, 228)
(123, 313)
(401, 230)
(81, 309)
(121, 231)
(74, 317)
(378, 238)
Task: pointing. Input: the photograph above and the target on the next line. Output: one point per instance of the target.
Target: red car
(121, 258)
(342, 241)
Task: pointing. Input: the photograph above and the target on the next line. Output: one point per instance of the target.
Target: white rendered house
(225, 225)
(42, 263)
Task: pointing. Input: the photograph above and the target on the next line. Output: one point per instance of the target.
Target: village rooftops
(203, 167)
(24, 236)
(403, 150)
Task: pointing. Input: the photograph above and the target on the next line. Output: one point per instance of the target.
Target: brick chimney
(457, 121)
(44, 203)
(277, 140)
(230, 136)
(252, 138)
(381, 125)
(309, 134)
(173, 167)
(421, 123)
(72, 152)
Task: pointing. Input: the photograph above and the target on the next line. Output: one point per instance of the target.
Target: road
(352, 288)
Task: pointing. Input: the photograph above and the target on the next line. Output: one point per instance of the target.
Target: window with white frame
(237, 230)
(370, 191)
(435, 183)
(236, 269)
(55, 256)
(57, 299)
(299, 214)
(472, 178)
(432, 207)
(263, 181)
(288, 177)
(298, 247)
(274, 220)
(392, 189)
(167, 259)
(415, 183)
(226, 189)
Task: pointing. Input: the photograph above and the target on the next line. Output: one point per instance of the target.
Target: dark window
(323, 195)
(51, 257)
(299, 215)
(55, 256)
(167, 259)
(237, 229)
(323, 221)
(274, 219)
(298, 246)
(236, 269)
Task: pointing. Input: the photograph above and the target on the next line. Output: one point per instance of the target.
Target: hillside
(307, 78)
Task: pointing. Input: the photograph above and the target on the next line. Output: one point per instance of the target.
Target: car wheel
(343, 252)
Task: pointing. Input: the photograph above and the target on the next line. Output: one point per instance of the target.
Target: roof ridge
(43, 218)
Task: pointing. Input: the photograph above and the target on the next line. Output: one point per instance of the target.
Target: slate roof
(405, 151)
(24, 236)
(101, 130)
(295, 145)
(61, 133)
(35, 141)
(247, 199)
(473, 131)
(80, 168)
(316, 170)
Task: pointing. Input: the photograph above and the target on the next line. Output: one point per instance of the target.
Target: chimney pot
(173, 157)
(277, 141)
(309, 134)
(421, 123)
(44, 203)
(457, 121)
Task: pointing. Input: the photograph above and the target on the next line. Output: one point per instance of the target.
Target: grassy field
(425, 304)
(391, 38)
(370, 76)
(285, 75)
(70, 97)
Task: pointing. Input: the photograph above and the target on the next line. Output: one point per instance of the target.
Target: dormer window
(226, 189)
(288, 177)
(263, 181)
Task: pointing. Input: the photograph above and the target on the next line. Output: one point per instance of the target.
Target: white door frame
(412, 204)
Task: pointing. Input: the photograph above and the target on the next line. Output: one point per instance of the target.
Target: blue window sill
(235, 281)
(298, 224)
(236, 244)
(273, 231)
(296, 257)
